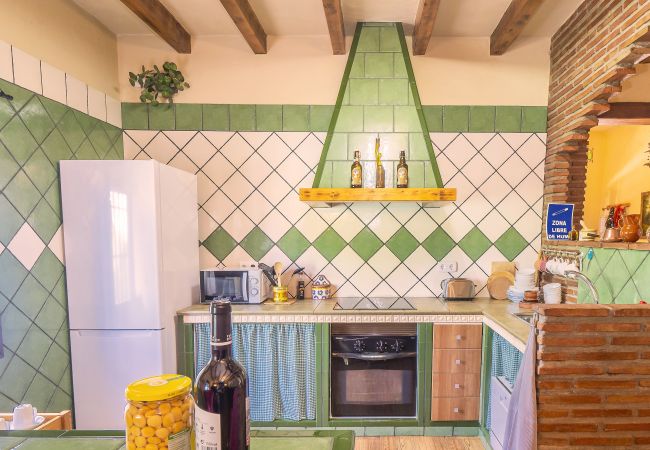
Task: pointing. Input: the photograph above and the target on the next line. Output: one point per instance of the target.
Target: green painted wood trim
(425, 356)
(418, 106)
(486, 363)
(320, 374)
(323, 398)
(285, 423)
(337, 107)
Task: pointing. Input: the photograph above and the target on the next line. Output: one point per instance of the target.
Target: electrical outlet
(448, 266)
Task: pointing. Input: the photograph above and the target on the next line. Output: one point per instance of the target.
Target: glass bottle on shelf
(356, 172)
(380, 177)
(402, 171)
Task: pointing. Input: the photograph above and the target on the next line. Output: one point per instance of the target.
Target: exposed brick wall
(593, 376)
(591, 54)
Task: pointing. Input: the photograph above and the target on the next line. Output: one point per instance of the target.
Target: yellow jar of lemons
(158, 414)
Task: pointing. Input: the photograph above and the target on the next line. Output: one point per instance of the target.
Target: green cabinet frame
(185, 359)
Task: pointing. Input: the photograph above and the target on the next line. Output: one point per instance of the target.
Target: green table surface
(114, 440)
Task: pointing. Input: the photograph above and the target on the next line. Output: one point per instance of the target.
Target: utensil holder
(280, 294)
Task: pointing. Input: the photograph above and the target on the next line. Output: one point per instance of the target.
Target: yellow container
(158, 413)
(280, 294)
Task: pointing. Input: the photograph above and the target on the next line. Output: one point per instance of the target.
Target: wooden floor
(418, 443)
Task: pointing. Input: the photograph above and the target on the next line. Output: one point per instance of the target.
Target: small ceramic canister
(320, 289)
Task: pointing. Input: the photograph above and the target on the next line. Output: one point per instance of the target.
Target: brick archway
(591, 55)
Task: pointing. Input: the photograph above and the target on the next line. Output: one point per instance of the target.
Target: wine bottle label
(356, 176)
(402, 176)
(207, 430)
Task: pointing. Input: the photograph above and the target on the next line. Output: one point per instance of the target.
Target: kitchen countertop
(114, 440)
(497, 314)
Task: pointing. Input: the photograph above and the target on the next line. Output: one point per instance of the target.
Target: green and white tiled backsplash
(36, 131)
(250, 160)
(249, 208)
(620, 276)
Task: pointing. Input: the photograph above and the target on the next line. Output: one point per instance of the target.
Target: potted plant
(156, 83)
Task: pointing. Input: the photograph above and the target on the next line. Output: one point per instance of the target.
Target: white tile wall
(96, 104)
(38, 76)
(77, 93)
(26, 246)
(54, 83)
(27, 71)
(6, 63)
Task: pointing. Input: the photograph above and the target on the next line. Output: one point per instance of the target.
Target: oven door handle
(374, 356)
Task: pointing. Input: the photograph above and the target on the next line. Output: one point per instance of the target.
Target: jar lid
(321, 281)
(157, 388)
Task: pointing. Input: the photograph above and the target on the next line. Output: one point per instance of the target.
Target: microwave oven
(239, 285)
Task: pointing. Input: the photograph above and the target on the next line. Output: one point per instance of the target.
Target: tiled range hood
(378, 98)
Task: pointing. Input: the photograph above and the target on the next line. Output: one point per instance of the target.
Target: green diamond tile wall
(35, 134)
(249, 208)
(620, 276)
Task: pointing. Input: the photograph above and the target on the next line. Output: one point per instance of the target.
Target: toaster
(458, 289)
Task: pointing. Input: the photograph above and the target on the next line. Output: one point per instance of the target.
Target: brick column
(591, 54)
(593, 376)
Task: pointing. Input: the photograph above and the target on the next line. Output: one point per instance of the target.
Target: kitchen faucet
(578, 276)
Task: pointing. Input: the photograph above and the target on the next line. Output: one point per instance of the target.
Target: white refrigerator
(131, 255)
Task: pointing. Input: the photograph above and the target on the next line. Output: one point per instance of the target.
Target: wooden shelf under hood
(327, 197)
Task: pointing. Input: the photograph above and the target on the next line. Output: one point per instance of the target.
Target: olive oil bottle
(402, 171)
(356, 178)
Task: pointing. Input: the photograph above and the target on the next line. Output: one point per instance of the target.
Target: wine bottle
(356, 172)
(402, 171)
(221, 413)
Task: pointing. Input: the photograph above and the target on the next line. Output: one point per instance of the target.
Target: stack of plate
(525, 279)
(552, 293)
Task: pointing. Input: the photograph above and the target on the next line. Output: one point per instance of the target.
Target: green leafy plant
(157, 83)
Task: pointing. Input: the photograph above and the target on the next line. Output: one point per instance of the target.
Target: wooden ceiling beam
(512, 23)
(334, 17)
(160, 20)
(424, 21)
(241, 12)
(626, 113)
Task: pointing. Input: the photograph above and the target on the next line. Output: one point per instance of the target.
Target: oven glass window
(374, 389)
(223, 285)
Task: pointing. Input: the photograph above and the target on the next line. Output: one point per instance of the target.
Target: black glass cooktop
(374, 303)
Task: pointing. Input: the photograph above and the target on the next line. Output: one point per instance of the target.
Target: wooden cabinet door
(457, 336)
(454, 408)
(455, 385)
(457, 361)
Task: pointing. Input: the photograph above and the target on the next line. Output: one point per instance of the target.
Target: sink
(525, 317)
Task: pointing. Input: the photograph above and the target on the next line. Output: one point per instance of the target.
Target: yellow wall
(302, 70)
(60, 33)
(618, 174)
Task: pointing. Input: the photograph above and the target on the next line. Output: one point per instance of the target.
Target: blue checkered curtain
(506, 360)
(280, 360)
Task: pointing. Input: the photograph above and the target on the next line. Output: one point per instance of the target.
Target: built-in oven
(373, 370)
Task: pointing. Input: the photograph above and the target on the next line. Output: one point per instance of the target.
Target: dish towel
(521, 423)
